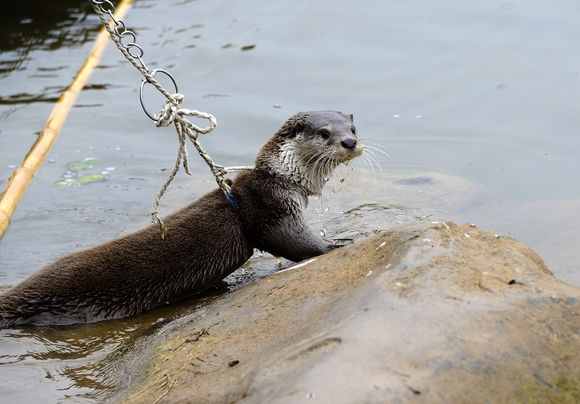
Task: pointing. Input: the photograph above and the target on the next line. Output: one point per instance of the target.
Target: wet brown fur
(205, 242)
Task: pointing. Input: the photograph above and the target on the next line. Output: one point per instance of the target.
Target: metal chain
(119, 32)
(171, 113)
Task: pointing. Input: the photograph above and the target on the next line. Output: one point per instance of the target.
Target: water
(484, 91)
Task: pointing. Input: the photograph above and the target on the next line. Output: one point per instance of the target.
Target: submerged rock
(427, 312)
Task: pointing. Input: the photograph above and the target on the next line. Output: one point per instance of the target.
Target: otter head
(309, 146)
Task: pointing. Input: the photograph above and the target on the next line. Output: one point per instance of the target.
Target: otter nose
(349, 143)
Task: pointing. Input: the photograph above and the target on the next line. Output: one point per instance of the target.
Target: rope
(171, 113)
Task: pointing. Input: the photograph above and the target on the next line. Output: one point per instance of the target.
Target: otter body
(205, 241)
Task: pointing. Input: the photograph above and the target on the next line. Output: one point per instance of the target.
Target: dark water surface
(484, 93)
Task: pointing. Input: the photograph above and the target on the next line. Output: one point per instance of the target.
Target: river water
(477, 103)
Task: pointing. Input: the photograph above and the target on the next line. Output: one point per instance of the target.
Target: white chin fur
(311, 171)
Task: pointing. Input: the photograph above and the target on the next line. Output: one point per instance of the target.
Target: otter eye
(324, 133)
(353, 130)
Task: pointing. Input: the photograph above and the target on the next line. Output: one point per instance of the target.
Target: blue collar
(231, 200)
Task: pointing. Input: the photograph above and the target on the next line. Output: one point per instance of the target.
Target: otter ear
(296, 124)
(299, 125)
(351, 117)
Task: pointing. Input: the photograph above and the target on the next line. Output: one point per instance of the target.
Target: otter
(205, 241)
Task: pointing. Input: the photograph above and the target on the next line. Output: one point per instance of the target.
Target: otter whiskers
(373, 157)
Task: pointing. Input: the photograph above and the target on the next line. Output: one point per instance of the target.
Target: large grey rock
(423, 313)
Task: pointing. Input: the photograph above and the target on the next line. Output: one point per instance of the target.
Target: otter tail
(17, 309)
(8, 316)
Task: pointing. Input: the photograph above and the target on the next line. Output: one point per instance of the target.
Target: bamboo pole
(22, 176)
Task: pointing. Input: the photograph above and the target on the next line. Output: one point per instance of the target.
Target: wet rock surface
(426, 312)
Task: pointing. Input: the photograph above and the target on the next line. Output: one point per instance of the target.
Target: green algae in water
(80, 165)
(68, 183)
(90, 178)
(71, 178)
(76, 182)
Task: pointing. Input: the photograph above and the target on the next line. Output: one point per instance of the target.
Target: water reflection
(69, 358)
(28, 26)
(87, 361)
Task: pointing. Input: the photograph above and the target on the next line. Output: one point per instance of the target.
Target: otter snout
(348, 143)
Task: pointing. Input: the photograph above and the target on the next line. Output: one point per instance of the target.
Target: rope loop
(198, 114)
(171, 113)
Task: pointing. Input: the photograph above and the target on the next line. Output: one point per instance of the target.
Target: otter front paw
(332, 247)
(334, 244)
